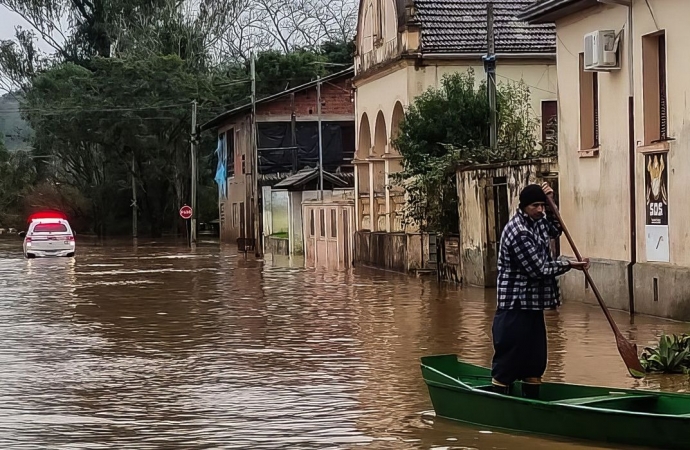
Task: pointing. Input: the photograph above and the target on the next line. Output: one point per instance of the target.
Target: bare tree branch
(256, 25)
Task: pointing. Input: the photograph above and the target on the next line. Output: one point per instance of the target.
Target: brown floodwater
(157, 346)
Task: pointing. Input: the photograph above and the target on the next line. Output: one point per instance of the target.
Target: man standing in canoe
(526, 287)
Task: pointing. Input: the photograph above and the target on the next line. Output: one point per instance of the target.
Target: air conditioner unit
(601, 50)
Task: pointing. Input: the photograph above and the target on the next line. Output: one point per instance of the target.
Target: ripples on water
(162, 347)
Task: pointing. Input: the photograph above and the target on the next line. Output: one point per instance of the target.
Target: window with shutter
(589, 107)
(654, 88)
(595, 109)
(663, 110)
(230, 152)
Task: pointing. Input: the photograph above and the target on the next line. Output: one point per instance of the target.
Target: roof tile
(459, 26)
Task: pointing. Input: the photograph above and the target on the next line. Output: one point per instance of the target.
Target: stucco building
(403, 48)
(624, 133)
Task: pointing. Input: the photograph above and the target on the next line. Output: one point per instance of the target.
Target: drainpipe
(633, 174)
(631, 152)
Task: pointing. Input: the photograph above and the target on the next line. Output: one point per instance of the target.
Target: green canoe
(462, 392)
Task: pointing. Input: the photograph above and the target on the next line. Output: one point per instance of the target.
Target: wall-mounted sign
(656, 201)
(656, 188)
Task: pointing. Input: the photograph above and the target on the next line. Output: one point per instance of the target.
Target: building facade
(404, 48)
(624, 133)
(286, 143)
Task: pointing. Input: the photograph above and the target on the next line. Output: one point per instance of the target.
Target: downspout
(631, 162)
(631, 154)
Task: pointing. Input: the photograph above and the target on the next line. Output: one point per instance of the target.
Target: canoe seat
(602, 398)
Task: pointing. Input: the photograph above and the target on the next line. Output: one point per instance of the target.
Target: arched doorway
(379, 172)
(362, 167)
(398, 114)
(396, 195)
(364, 143)
(381, 136)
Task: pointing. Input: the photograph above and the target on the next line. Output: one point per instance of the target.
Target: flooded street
(162, 347)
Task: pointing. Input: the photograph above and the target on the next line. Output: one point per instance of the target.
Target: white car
(49, 237)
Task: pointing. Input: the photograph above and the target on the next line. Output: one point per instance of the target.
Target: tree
(449, 126)
(286, 25)
(104, 28)
(17, 174)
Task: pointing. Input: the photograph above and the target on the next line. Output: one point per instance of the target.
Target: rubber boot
(531, 390)
(499, 388)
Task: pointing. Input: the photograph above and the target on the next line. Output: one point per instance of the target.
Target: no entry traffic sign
(186, 212)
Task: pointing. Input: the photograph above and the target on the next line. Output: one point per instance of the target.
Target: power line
(338, 87)
(80, 109)
(529, 85)
(54, 111)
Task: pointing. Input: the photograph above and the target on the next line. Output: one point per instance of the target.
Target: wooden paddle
(627, 350)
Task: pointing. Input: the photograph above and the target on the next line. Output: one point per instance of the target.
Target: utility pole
(134, 198)
(318, 114)
(194, 174)
(293, 132)
(258, 247)
(490, 69)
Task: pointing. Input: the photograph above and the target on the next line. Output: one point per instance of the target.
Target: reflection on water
(160, 346)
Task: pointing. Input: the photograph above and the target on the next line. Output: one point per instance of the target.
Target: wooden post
(293, 131)
(258, 247)
(194, 175)
(135, 231)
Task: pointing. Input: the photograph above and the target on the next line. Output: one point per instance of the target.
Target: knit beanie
(532, 194)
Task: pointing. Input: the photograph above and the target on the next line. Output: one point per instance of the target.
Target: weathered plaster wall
(479, 236)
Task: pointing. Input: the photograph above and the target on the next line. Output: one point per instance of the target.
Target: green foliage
(294, 68)
(17, 174)
(456, 114)
(672, 355)
(277, 71)
(338, 52)
(12, 127)
(449, 126)
(62, 197)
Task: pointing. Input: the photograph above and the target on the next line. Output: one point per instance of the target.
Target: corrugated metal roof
(309, 174)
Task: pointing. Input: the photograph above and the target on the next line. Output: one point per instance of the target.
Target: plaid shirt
(526, 271)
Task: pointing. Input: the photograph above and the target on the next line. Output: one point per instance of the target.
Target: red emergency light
(46, 215)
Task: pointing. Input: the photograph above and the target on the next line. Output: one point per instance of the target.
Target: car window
(50, 228)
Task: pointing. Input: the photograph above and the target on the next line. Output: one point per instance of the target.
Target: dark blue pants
(519, 346)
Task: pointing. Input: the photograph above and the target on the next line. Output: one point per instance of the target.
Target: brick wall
(335, 95)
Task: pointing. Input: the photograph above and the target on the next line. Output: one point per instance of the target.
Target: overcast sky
(9, 20)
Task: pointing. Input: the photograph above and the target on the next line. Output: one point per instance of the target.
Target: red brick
(337, 99)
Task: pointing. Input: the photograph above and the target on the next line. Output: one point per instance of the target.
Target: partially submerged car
(49, 236)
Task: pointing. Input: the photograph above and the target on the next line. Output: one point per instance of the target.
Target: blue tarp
(221, 178)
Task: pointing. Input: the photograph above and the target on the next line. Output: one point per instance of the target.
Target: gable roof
(308, 174)
(218, 120)
(459, 26)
